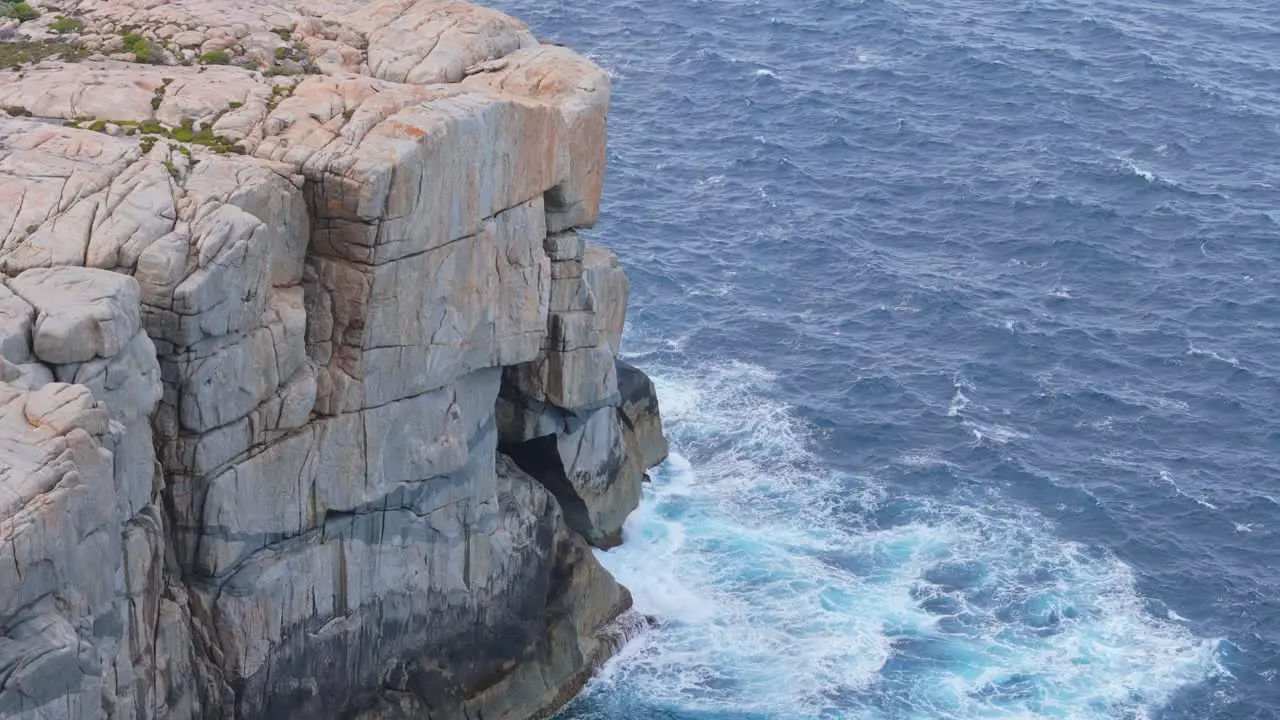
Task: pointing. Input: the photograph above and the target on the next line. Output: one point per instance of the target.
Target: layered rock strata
(310, 398)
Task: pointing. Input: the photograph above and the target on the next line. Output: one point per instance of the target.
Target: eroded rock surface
(310, 402)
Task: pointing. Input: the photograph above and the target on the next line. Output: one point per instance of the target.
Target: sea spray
(772, 600)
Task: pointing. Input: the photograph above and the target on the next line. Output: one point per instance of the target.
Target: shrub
(65, 25)
(22, 12)
(142, 49)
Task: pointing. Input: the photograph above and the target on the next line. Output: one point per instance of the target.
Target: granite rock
(268, 331)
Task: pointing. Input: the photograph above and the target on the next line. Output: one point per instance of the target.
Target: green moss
(185, 131)
(347, 115)
(235, 105)
(283, 34)
(17, 54)
(173, 169)
(282, 53)
(31, 229)
(278, 93)
(215, 57)
(17, 111)
(65, 25)
(22, 12)
(182, 136)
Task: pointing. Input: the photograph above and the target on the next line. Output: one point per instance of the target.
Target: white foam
(959, 401)
(1139, 171)
(1000, 434)
(864, 59)
(1228, 359)
(775, 600)
(1202, 502)
(1136, 396)
(709, 182)
(923, 460)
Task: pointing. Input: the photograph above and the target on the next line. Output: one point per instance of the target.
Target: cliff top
(333, 89)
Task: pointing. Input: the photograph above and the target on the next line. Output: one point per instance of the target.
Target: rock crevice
(310, 397)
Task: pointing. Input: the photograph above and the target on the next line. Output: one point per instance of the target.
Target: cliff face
(309, 393)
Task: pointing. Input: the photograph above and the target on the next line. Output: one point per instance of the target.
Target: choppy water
(965, 316)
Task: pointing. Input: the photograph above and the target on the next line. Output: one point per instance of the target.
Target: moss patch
(17, 54)
(20, 11)
(152, 132)
(215, 57)
(278, 93)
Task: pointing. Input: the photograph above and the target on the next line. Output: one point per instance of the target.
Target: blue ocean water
(965, 317)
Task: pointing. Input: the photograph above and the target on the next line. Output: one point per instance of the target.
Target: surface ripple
(966, 325)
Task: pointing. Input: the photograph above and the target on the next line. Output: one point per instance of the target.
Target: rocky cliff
(310, 401)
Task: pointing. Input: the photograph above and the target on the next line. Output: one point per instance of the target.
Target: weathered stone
(587, 311)
(587, 466)
(260, 339)
(642, 424)
(81, 313)
(579, 90)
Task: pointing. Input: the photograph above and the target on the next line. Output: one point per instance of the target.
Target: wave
(1202, 502)
(1138, 170)
(994, 432)
(784, 589)
(1201, 352)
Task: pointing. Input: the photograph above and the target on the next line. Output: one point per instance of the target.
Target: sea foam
(775, 599)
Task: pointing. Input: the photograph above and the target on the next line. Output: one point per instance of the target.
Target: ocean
(965, 319)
